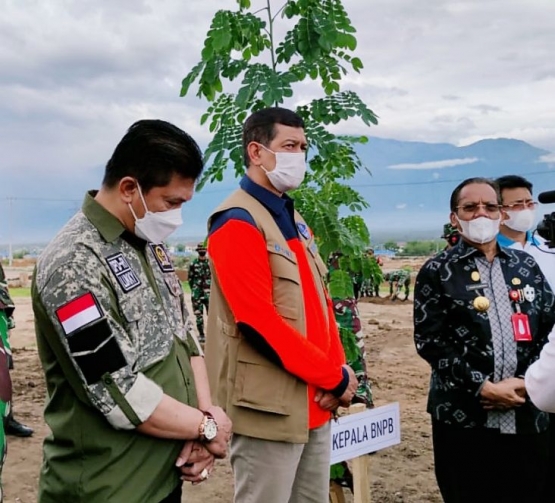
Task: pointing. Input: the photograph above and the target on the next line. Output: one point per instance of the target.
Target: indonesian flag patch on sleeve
(78, 313)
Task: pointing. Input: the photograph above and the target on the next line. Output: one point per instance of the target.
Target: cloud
(76, 75)
(485, 109)
(447, 163)
(548, 158)
(450, 97)
(401, 206)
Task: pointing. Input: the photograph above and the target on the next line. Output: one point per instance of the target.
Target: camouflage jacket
(199, 275)
(113, 337)
(399, 276)
(6, 302)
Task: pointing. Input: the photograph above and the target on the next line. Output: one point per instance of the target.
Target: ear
(253, 151)
(127, 187)
(454, 221)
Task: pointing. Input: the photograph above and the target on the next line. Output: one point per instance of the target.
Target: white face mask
(520, 221)
(289, 171)
(156, 227)
(480, 230)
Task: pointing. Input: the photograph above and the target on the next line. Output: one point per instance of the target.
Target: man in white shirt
(516, 232)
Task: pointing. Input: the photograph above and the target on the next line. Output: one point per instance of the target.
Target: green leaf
(233, 78)
(190, 78)
(357, 64)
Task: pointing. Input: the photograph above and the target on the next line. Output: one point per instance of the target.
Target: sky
(75, 74)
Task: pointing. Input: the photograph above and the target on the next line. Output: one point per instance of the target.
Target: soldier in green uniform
(6, 307)
(370, 287)
(199, 281)
(398, 280)
(451, 235)
(128, 402)
(350, 329)
(11, 425)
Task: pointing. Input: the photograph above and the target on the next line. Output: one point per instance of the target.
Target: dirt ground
(400, 474)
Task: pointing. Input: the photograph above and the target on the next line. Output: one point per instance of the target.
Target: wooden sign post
(356, 434)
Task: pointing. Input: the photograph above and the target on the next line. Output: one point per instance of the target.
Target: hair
(454, 202)
(152, 152)
(259, 127)
(513, 182)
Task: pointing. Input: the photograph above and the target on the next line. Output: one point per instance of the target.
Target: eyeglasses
(472, 208)
(521, 205)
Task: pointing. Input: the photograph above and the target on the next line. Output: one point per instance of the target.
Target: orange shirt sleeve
(240, 258)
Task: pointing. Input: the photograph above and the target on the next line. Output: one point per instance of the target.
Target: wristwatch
(208, 428)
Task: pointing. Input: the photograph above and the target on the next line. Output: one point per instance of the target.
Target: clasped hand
(196, 459)
(503, 395)
(330, 402)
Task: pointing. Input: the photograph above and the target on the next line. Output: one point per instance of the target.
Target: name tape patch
(471, 288)
(126, 277)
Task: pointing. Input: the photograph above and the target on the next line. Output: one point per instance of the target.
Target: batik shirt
(464, 346)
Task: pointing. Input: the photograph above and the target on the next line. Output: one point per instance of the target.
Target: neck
(518, 236)
(106, 199)
(488, 249)
(258, 176)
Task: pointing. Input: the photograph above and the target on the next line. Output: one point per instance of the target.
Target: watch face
(210, 429)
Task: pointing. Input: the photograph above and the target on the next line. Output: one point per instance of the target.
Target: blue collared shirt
(282, 209)
(508, 242)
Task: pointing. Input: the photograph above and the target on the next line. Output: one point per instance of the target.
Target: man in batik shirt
(481, 316)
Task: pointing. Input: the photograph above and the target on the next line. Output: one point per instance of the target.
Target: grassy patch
(20, 292)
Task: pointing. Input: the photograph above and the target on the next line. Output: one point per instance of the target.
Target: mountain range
(408, 185)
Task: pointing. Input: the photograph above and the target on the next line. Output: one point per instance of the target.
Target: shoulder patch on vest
(162, 257)
(126, 277)
(303, 229)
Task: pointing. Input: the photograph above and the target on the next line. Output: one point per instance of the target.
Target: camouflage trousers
(369, 288)
(4, 406)
(395, 288)
(200, 304)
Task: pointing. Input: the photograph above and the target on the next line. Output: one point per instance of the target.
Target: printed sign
(368, 431)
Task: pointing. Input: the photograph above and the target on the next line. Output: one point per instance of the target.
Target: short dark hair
(259, 127)
(152, 152)
(513, 182)
(454, 202)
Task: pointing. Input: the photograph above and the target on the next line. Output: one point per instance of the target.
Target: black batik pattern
(456, 339)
